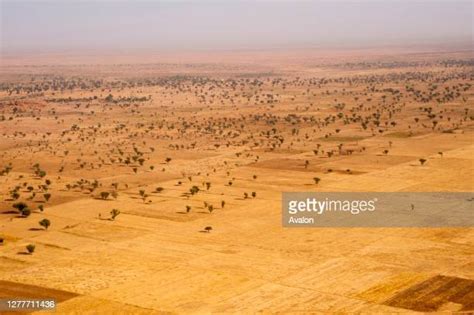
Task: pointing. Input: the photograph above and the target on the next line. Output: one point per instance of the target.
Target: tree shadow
(9, 212)
(36, 229)
(105, 219)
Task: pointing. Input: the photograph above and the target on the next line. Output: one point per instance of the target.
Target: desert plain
(158, 180)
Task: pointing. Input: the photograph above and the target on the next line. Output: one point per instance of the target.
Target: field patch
(10, 289)
(436, 292)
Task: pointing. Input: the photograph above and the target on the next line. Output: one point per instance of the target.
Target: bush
(26, 212)
(30, 248)
(45, 223)
(114, 213)
(20, 206)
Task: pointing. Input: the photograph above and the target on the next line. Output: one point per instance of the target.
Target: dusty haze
(52, 26)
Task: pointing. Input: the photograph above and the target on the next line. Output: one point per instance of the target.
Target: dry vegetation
(156, 187)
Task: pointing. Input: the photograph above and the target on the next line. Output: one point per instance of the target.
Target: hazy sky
(164, 25)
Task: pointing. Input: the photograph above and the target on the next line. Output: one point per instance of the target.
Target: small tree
(15, 195)
(47, 196)
(422, 161)
(45, 223)
(104, 195)
(41, 208)
(188, 209)
(222, 204)
(114, 213)
(20, 206)
(114, 194)
(316, 180)
(208, 229)
(30, 248)
(194, 190)
(254, 194)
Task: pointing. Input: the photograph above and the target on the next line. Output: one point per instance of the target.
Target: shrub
(20, 206)
(26, 212)
(114, 213)
(30, 248)
(45, 223)
(15, 195)
(104, 195)
(194, 190)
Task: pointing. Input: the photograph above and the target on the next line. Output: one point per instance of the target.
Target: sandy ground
(219, 125)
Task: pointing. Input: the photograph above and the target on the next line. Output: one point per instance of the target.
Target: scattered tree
(114, 213)
(30, 248)
(45, 223)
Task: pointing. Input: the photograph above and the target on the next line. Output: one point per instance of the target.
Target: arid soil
(161, 181)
